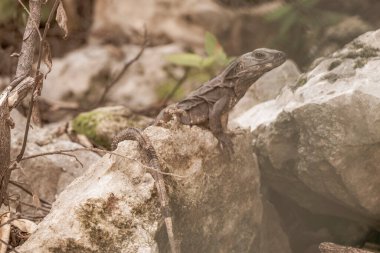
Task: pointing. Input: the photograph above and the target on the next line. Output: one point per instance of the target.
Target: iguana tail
(144, 142)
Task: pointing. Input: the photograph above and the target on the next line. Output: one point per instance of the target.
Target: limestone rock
(267, 87)
(334, 248)
(101, 125)
(82, 75)
(318, 144)
(45, 176)
(113, 207)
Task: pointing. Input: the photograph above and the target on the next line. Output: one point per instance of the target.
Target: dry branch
(13, 94)
(125, 68)
(97, 150)
(39, 76)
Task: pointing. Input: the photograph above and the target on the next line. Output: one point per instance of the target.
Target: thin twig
(125, 68)
(176, 87)
(44, 209)
(11, 248)
(34, 23)
(36, 84)
(8, 222)
(29, 192)
(101, 151)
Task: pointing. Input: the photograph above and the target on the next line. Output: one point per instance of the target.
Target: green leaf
(208, 61)
(287, 24)
(211, 44)
(185, 59)
(279, 13)
(8, 10)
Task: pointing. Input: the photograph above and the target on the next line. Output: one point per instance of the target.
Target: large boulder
(319, 145)
(114, 207)
(268, 87)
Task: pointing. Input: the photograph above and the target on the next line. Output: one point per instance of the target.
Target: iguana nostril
(281, 55)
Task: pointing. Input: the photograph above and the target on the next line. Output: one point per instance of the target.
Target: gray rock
(101, 125)
(328, 247)
(45, 176)
(267, 87)
(113, 207)
(318, 144)
(82, 74)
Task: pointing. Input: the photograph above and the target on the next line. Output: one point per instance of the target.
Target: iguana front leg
(218, 119)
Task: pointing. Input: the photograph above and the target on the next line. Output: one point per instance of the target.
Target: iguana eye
(259, 55)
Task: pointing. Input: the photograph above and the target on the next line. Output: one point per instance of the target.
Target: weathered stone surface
(101, 125)
(267, 87)
(45, 176)
(272, 236)
(343, 32)
(327, 247)
(318, 144)
(82, 75)
(113, 207)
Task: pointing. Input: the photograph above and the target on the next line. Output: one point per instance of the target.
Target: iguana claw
(226, 145)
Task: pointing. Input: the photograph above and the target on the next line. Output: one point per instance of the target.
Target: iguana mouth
(279, 59)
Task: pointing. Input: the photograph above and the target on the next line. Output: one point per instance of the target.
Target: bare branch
(10, 247)
(125, 68)
(25, 61)
(28, 192)
(5, 144)
(101, 151)
(36, 26)
(44, 209)
(20, 92)
(176, 87)
(38, 80)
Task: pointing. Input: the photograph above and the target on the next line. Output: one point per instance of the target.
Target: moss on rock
(101, 125)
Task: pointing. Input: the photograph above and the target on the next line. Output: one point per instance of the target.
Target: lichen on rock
(101, 125)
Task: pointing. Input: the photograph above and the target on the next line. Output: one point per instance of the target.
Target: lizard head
(253, 65)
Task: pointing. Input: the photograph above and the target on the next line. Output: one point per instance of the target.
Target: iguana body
(209, 106)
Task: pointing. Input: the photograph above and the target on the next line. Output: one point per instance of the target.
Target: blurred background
(209, 32)
(190, 41)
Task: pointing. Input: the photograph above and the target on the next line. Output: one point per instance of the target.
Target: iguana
(208, 106)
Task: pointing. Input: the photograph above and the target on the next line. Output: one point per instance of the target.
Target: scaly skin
(210, 104)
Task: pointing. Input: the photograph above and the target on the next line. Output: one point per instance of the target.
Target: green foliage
(216, 57)
(166, 87)
(7, 10)
(201, 68)
(300, 27)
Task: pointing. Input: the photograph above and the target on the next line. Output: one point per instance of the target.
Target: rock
(81, 75)
(267, 87)
(167, 21)
(101, 125)
(342, 33)
(113, 207)
(327, 247)
(185, 22)
(273, 239)
(318, 144)
(45, 176)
